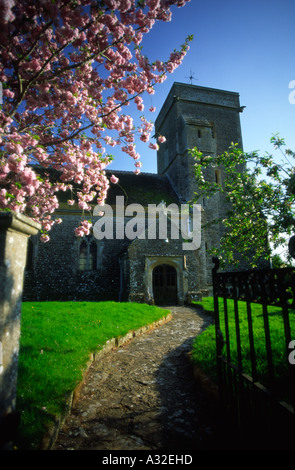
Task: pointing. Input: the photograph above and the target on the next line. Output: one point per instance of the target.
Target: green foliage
(56, 341)
(278, 262)
(259, 193)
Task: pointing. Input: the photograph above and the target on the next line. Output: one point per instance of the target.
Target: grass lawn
(204, 352)
(56, 341)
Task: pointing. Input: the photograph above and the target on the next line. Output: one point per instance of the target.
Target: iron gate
(260, 401)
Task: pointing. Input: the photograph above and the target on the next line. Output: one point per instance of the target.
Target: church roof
(144, 188)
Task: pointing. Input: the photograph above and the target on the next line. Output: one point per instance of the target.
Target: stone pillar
(14, 232)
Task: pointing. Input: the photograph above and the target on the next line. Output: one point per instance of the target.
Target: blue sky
(241, 46)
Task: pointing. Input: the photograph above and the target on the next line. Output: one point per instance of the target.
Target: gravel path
(142, 395)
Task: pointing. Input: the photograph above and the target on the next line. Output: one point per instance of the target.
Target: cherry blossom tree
(69, 69)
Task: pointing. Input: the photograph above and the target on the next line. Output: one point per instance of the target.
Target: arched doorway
(165, 285)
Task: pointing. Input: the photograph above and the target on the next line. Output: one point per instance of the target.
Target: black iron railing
(258, 393)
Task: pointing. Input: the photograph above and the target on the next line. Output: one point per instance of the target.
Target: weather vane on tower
(191, 77)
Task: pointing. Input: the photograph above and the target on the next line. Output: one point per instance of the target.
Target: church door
(165, 285)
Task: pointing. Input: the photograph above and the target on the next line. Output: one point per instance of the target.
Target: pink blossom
(44, 238)
(34, 65)
(114, 179)
(112, 4)
(83, 229)
(65, 94)
(144, 137)
(6, 8)
(153, 4)
(161, 139)
(139, 101)
(8, 93)
(46, 226)
(125, 5)
(153, 146)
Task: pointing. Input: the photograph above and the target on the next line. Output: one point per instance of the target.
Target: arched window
(83, 255)
(218, 176)
(88, 254)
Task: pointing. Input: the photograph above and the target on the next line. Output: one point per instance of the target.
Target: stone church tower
(194, 116)
(208, 119)
(145, 270)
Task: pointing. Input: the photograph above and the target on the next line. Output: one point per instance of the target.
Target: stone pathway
(142, 395)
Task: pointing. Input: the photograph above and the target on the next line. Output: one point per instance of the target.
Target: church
(158, 270)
